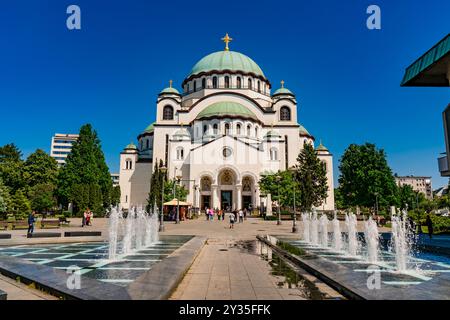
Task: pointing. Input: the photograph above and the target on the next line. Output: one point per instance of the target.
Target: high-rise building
(62, 146)
(419, 184)
(115, 179)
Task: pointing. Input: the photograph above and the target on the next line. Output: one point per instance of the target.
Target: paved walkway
(20, 291)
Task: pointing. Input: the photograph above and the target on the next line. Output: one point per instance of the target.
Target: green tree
(86, 171)
(115, 195)
(338, 199)
(11, 166)
(180, 191)
(311, 177)
(406, 196)
(154, 195)
(42, 197)
(40, 168)
(365, 177)
(5, 198)
(281, 186)
(20, 206)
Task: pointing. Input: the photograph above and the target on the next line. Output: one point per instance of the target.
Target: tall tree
(311, 177)
(40, 168)
(11, 166)
(281, 186)
(85, 170)
(406, 196)
(155, 185)
(41, 197)
(366, 177)
(20, 206)
(115, 195)
(5, 198)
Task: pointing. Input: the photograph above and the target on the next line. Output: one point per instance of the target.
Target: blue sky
(346, 77)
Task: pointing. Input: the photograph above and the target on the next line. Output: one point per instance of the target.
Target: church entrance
(247, 202)
(206, 202)
(226, 200)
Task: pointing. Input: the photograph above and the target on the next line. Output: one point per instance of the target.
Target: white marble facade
(219, 135)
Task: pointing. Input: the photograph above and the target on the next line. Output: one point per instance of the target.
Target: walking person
(87, 216)
(241, 216)
(31, 221)
(232, 218)
(429, 224)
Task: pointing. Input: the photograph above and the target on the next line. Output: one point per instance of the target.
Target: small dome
(226, 109)
(182, 133)
(226, 60)
(321, 147)
(282, 90)
(272, 135)
(169, 90)
(131, 146)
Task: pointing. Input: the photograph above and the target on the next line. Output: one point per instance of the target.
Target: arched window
(227, 82)
(259, 86)
(205, 128)
(148, 143)
(238, 129)
(285, 114)
(215, 82)
(273, 154)
(238, 82)
(250, 83)
(168, 113)
(215, 128)
(227, 128)
(203, 83)
(128, 164)
(256, 132)
(249, 127)
(195, 85)
(180, 153)
(187, 87)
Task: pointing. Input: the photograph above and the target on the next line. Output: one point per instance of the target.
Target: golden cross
(282, 83)
(227, 40)
(170, 83)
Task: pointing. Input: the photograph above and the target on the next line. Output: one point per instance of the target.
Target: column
(239, 196)
(215, 196)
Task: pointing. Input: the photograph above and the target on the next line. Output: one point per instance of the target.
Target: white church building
(219, 136)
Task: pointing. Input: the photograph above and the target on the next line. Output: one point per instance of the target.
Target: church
(219, 135)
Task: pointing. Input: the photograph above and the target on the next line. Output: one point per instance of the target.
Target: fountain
(138, 230)
(323, 226)
(372, 240)
(352, 239)
(337, 235)
(314, 229)
(306, 218)
(402, 240)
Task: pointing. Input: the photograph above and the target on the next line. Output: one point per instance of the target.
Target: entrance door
(246, 202)
(226, 200)
(206, 202)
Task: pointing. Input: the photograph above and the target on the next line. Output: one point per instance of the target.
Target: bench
(45, 224)
(82, 234)
(4, 225)
(5, 236)
(20, 224)
(44, 235)
(63, 220)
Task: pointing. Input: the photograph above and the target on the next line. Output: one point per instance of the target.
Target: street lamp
(163, 170)
(278, 179)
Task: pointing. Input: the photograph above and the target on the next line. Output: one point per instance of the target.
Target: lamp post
(178, 200)
(278, 179)
(163, 170)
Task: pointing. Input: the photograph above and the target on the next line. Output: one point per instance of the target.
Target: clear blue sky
(346, 77)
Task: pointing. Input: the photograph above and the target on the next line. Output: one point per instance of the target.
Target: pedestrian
(245, 213)
(207, 213)
(31, 221)
(91, 217)
(232, 218)
(87, 216)
(419, 227)
(241, 216)
(429, 224)
(83, 218)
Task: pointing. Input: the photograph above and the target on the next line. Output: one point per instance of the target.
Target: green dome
(170, 90)
(283, 91)
(321, 147)
(131, 146)
(149, 128)
(226, 60)
(226, 108)
(272, 134)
